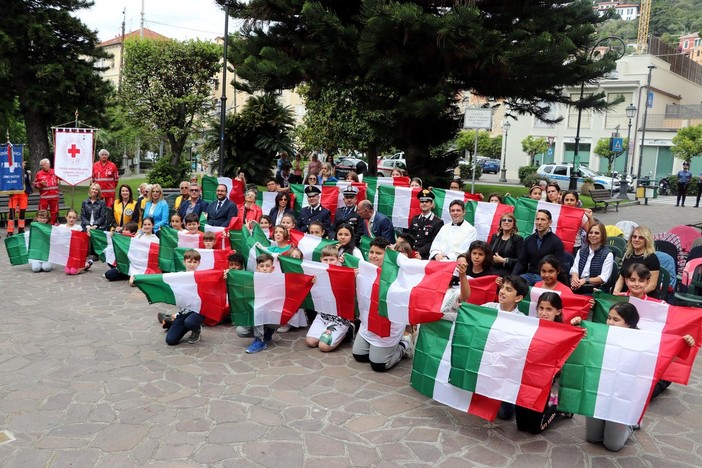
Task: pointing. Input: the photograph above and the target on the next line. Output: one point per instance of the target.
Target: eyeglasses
(194, 190)
(507, 220)
(635, 237)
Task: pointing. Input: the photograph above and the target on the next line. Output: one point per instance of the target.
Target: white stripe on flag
(226, 181)
(411, 273)
(367, 273)
(308, 244)
(504, 356)
(534, 295)
(138, 255)
(626, 375)
(184, 289)
(444, 392)
(269, 298)
(59, 245)
(207, 259)
(484, 213)
(652, 315)
(554, 209)
(189, 240)
(321, 292)
(401, 207)
(268, 201)
(449, 196)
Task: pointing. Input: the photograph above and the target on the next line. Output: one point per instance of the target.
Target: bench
(605, 197)
(32, 206)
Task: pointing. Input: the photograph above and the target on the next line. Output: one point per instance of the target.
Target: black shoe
(194, 337)
(268, 335)
(166, 320)
(349, 334)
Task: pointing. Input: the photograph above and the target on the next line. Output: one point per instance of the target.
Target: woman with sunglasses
(640, 249)
(506, 244)
(281, 208)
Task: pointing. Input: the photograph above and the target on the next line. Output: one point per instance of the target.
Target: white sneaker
(408, 341)
(284, 329)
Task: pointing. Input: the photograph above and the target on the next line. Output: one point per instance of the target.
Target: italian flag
(58, 245)
(266, 200)
(136, 256)
(400, 204)
(364, 245)
(170, 239)
(565, 220)
(411, 290)
(310, 246)
(334, 290)
(222, 233)
(372, 184)
(482, 290)
(204, 292)
(367, 296)
(235, 188)
(102, 245)
(209, 259)
(17, 247)
(612, 372)
(430, 372)
(574, 305)
(485, 217)
(662, 318)
(265, 298)
(443, 200)
(507, 356)
(252, 243)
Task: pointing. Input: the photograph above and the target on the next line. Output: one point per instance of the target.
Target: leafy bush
(524, 171)
(673, 182)
(533, 179)
(467, 172)
(166, 175)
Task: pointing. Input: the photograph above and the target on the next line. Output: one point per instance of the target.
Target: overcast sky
(178, 19)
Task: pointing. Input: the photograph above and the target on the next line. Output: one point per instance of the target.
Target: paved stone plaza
(87, 380)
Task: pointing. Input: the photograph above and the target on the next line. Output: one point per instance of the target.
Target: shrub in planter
(467, 172)
(533, 179)
(525, 171)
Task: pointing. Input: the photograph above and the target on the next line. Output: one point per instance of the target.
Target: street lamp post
(503, 171)
(573, 185)
(223, 99)
(643, 128)
(624, 186)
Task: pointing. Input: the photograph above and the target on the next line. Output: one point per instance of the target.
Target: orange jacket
(107, 176)
(47, 183)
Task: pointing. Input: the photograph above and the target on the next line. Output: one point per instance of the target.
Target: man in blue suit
(194, 205)
(375, 224)
(221, 211)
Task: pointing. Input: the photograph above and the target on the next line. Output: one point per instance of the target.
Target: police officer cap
(426, 195)
(312, 190)
(350, 191)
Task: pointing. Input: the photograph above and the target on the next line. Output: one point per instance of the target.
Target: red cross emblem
(73, 151)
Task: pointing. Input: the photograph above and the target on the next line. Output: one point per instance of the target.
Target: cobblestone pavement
(87, 380)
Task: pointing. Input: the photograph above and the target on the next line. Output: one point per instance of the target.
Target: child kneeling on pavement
(185, 320)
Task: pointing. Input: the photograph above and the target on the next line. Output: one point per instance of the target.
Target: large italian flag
(204, 292)
(235, 188)
(334, 290)
(372, 184)
(135, 256)
(485, 217)
(565, 220)
(102, 245)
(367, 296)
(612, 372)
(266, 200)
(662, 318)
(310, 246)
(17, 247)
(574, 305)
(430, 372)
(443, 200)
(411, 290)
(265, 298)
(209, 259)
(507, 356)
(482, 290)
(400, 204)
(251, 241)
(171, 239)
(58, 245)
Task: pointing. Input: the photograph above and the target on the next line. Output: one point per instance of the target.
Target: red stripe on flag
(483, 407)
(473, 197)
(343, 285)
(426, 297)
(414, 206)
(297, 286)
(570, 219)
(9, 154)
(376, 323)
(237, 193)
(330, 198)
(152, 259)
(682, 321)
(78, 250)
(483, 290)
(212, 289)
(550, 347)
(500, 210)
(401, 181)
(236, 223)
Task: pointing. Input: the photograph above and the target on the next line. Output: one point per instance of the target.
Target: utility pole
(121, 52)
(141, 29)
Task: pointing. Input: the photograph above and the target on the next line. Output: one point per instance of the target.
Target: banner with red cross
(73, 154)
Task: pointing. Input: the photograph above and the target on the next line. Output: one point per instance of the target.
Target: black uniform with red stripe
(423, 230)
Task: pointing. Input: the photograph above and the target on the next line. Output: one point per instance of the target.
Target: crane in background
(644, 19)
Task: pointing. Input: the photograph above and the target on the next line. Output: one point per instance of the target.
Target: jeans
(183, 323)
(531, 278)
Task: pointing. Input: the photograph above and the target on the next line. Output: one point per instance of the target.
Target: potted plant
(588, 184)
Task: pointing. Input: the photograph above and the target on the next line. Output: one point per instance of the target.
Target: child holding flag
(263, 334)
(38, 265)
(186, 320)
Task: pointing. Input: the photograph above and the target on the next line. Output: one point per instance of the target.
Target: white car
(561, 174)
(387, 165)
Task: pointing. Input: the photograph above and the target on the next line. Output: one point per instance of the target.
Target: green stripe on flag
(604, 302)
(431, 344)
(388, 275)
(386, 200)
(294, 265)
(299, 191)
(579, 384)
(209, 188)
(525, 212)
(509, 200)
(16, 247)
(154, 288)
(39, 241)
(121, 245)
(241, 291)
(98, 239)
(473, 326)
(168, 244)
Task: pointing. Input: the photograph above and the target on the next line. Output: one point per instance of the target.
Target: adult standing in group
(506, 244)
(47, 184)
(426, 226)
(283, 178)
(93, 212)
(315, 211)
(126, 209)
(18, 202)
(539, 244)
(281, 208)
(684, 179)
(455, 238)
(348, 214)
(194, 205)
(375, 224)
(184, 194)
(157, 208)
(283, 160)
(315, 166)
(298, 169)
(250, 211)
(221, 211)
(640, 248)
(327, 174)
(105, 174)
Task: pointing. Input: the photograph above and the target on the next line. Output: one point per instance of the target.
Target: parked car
(387, 165)
(346, 165)
(561, 173)
(490, 166)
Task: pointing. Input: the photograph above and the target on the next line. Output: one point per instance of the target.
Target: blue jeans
(183, 323)
(531, 278)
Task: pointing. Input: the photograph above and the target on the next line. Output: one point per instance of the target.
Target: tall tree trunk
(372, 154)
(37, 137)
(176, 145)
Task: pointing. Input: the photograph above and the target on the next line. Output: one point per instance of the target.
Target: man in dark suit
(315, 211)
(348, 214)
(194, 205)
(424, 227)
(221, 211)
(375, 224)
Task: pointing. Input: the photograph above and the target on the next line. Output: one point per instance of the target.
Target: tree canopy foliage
(532, 146)
(687, 144)
(167, 85)
(415, 57)
(488, 146)
(48, 64)
(603, 149)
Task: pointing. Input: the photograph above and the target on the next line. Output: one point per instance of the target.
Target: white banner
(73, 157)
